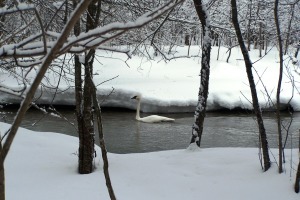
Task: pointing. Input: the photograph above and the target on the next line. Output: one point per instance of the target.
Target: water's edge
(123, 134)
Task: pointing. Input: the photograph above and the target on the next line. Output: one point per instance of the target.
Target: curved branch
(31, 91)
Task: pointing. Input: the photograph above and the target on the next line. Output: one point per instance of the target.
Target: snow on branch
(25, 7)
(86, 40)
(20, 7)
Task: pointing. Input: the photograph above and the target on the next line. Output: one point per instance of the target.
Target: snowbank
(173, 86)
(44, 166)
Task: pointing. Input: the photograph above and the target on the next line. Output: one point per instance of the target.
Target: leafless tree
(41, 48)
(205, 71)
(255, 102)
(280, 148)
(44, 66)
(297, 180)
(84, 104)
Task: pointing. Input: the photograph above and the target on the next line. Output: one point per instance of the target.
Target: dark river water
(123, 134)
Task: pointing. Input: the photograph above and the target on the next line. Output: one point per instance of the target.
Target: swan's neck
(138, 109)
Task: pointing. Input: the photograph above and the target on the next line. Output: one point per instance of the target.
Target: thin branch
(47, 61)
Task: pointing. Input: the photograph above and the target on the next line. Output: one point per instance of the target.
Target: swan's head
(137, 97)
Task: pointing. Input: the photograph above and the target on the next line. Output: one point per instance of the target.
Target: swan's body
(151, 118)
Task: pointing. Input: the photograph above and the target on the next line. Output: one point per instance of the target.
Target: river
(123, 134)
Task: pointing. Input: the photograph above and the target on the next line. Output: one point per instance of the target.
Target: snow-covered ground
(173, 86)
(44, 165)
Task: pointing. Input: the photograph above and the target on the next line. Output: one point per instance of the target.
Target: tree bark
(289, 29)
(79, 113)
(187, 40)
(84, 103)
(2, 173)
(102, 144)
(90, 100)
(2, 179)
(249, 34)
(260, 39)
(256, 107)
(85, 160)
(266, 43)
(280, 148)
(297, 50)
(86, 141)
(200, 112)
(297, 179)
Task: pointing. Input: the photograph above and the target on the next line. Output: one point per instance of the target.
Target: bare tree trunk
(83, 93)
(78, 99)
(218, 55)
(266, 43)
(86, 141)
(83, 113)
(78, 93)
(2, 173)
(297, 179)
(102, 144)
(289, 29)
(256, 107)
(205, 71)
(66, 12)
(279, 86)
(229, 50)
(260, 39)
(249, 34)
(83, 166)
(2, 179)
(187, 40)
(219, 47)
(91, 96)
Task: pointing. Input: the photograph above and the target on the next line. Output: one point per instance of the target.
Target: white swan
(151, 118)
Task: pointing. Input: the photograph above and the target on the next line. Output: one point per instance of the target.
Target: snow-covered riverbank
(44, 166)
(173, 86)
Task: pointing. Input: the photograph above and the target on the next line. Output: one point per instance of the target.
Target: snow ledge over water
(173, 86)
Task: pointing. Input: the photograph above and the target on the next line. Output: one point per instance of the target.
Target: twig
(107, 80)
(107, 96)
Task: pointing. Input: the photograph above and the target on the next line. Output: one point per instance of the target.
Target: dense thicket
(180, 26)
